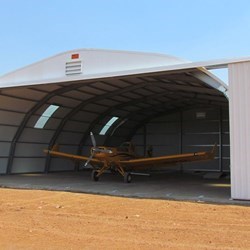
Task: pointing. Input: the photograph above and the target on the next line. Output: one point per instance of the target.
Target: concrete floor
(172, 185)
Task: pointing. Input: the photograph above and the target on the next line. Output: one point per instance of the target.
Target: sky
(196, 30)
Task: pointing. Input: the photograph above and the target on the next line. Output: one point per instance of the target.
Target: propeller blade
(89, 159)
(93, 139)
(95, 149)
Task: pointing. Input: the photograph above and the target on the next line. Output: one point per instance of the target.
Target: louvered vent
(73, 68)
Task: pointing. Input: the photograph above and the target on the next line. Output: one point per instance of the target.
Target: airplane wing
(169, 159)
(71, 156)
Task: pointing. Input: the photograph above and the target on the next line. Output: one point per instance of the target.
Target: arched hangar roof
(89, 87)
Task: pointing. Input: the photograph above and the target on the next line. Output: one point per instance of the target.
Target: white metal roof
(96, 63)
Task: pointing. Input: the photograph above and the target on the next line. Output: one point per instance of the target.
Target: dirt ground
(59, 220)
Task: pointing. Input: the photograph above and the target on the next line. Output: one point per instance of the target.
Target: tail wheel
(94, 176)
(127, 178)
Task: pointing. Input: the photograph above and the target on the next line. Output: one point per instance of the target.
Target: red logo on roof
(75, 56)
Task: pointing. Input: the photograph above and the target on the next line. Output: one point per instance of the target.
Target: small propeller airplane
(123, 159)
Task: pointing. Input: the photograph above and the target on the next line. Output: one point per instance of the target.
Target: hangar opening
(157, 101)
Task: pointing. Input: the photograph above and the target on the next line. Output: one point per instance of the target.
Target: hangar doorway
(158, 100)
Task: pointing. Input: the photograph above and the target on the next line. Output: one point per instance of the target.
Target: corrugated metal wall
(13, 110)
(239, 92)
(189, 131)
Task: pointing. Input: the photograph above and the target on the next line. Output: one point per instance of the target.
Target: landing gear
(127, 178)
(94, 176)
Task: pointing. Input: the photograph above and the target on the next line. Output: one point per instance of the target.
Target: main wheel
(94, 176)
(127, 178)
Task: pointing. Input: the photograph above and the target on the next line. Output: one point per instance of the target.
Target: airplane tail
(213, 151)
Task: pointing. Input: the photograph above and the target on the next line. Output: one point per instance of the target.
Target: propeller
(89, 159)
(93, 139)
(95, 149)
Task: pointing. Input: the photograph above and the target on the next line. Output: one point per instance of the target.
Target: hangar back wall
(192, 130)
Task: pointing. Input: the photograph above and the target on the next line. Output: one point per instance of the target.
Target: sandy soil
(59, 220)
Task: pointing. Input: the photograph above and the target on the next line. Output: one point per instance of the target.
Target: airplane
(123, 159)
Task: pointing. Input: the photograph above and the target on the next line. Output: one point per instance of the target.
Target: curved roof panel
(85, 64)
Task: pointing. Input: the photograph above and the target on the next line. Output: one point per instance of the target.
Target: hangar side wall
(239, 92)
(189, 131)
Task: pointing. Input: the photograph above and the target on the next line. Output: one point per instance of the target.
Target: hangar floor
(172, 185)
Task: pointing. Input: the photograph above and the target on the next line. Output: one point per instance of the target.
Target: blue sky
(197, 30)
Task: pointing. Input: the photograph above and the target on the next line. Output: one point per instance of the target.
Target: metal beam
(221, 141)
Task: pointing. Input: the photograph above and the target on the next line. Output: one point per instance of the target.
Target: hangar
(152, 99)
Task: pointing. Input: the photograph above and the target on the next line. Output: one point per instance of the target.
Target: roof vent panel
(73, 68)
